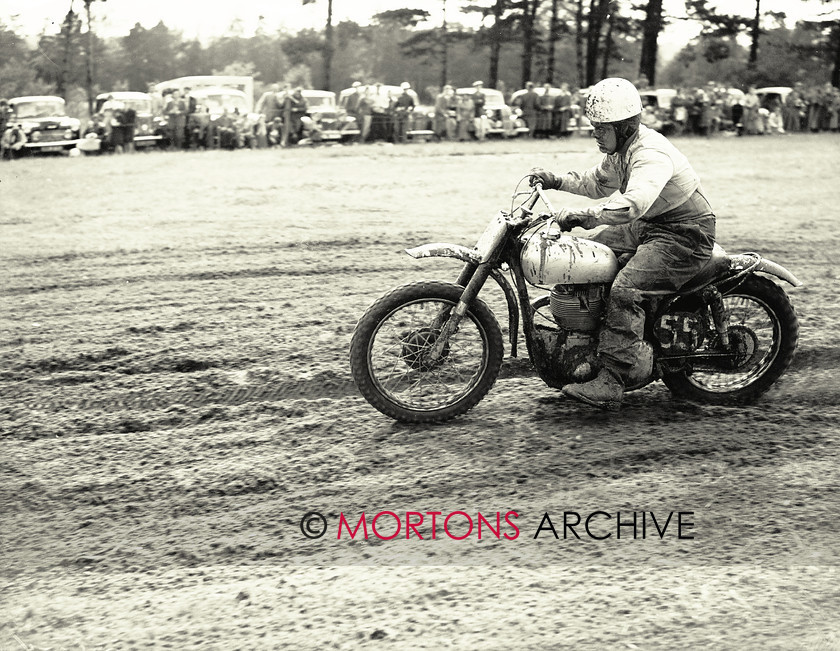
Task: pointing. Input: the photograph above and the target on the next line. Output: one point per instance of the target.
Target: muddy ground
(176, 395)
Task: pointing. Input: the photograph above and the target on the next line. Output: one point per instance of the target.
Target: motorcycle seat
(717, 265)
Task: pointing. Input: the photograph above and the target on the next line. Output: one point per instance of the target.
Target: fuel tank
(550, 258)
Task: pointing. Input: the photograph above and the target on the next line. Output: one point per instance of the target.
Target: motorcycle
(430, 350)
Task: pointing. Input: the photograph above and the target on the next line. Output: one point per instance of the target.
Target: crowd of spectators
(282, 116)
(707, 110)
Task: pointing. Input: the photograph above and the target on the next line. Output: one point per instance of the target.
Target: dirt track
(176, 395)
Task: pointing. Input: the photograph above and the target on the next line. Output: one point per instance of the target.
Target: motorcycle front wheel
(764, 331)
(392, 364)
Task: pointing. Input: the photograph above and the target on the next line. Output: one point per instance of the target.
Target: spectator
(128, 117)
(5, 113)
(466, 117)
(382, 124)
(479, 117)
(366, 113)
(354, 100)
(679, 106)
(274, 132)
(176, 118)
(298, 109)
(562, 111)
(226, 130)
(13, 141)
(529, 105)
(650, 119)
(791, 112)
(441, 119)
(544, 114)
(833, 107)
(403, 106)
(752, 119)
(269, 103)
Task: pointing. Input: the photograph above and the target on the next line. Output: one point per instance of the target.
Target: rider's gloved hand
(566, 221)
(548, 180)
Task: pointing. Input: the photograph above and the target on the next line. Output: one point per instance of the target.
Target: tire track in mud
(265, 272)
(325, 384)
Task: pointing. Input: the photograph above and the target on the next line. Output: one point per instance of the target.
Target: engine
(578, 274)
(578, 307)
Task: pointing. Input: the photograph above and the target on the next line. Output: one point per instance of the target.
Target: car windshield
(320, 102)
(217, 103)
(39, 109)
(492, 98)
(139, 105)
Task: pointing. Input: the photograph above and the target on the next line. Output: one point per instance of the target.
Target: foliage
(516, 40)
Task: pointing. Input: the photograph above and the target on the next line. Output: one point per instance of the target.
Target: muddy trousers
(667, 252)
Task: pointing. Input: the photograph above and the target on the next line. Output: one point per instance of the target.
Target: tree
(530, 37)
(824, 43)
(89, 77)
(651, 28)
(60, 59)
(151, 54)
(715, 23)
(598, 13)
(18, 76)
(493, 35)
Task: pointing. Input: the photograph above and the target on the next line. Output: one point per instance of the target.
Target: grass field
(176, 395)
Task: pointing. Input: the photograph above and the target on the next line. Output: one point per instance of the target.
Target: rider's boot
(605, 391)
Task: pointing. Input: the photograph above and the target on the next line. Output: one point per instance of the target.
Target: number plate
(53, 148)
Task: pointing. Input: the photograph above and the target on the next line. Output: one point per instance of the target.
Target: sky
(204, 19)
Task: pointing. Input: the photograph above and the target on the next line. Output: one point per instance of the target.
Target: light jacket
(649, 173)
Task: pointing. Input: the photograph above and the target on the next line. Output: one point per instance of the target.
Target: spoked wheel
(394, 363)
(763, 331)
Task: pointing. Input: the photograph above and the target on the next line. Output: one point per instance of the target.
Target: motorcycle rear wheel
(763, 316)
(388, 354)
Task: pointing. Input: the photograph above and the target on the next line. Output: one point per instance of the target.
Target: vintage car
(773, 95)
(658, 110)
(148, 129)
(502, 119)
(331, 122)
(244, 85)
(47, 126)
(215, 95)
(213, 102)
(577, 121)
(418, 128)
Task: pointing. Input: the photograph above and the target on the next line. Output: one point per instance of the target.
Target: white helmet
(611, 100)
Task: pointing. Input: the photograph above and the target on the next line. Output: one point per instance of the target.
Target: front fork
(477, 275)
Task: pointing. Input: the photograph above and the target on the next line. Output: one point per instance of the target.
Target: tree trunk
(552, 37)
(89, 66)
(328, 47)
(597, 13)
(61, 86)
(608, 42)
(529, 11)
(495, 44)
(444, 72)
(650, 35)
(835, 74)
(579, 43)
(754, 35)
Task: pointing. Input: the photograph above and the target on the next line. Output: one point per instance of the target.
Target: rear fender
(774, 269)
(471, 256)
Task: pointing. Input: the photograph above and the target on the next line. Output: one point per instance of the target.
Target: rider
(656, 215)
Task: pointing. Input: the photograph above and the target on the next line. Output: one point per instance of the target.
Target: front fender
(471, 256)
(774, 269)
(443, 250)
